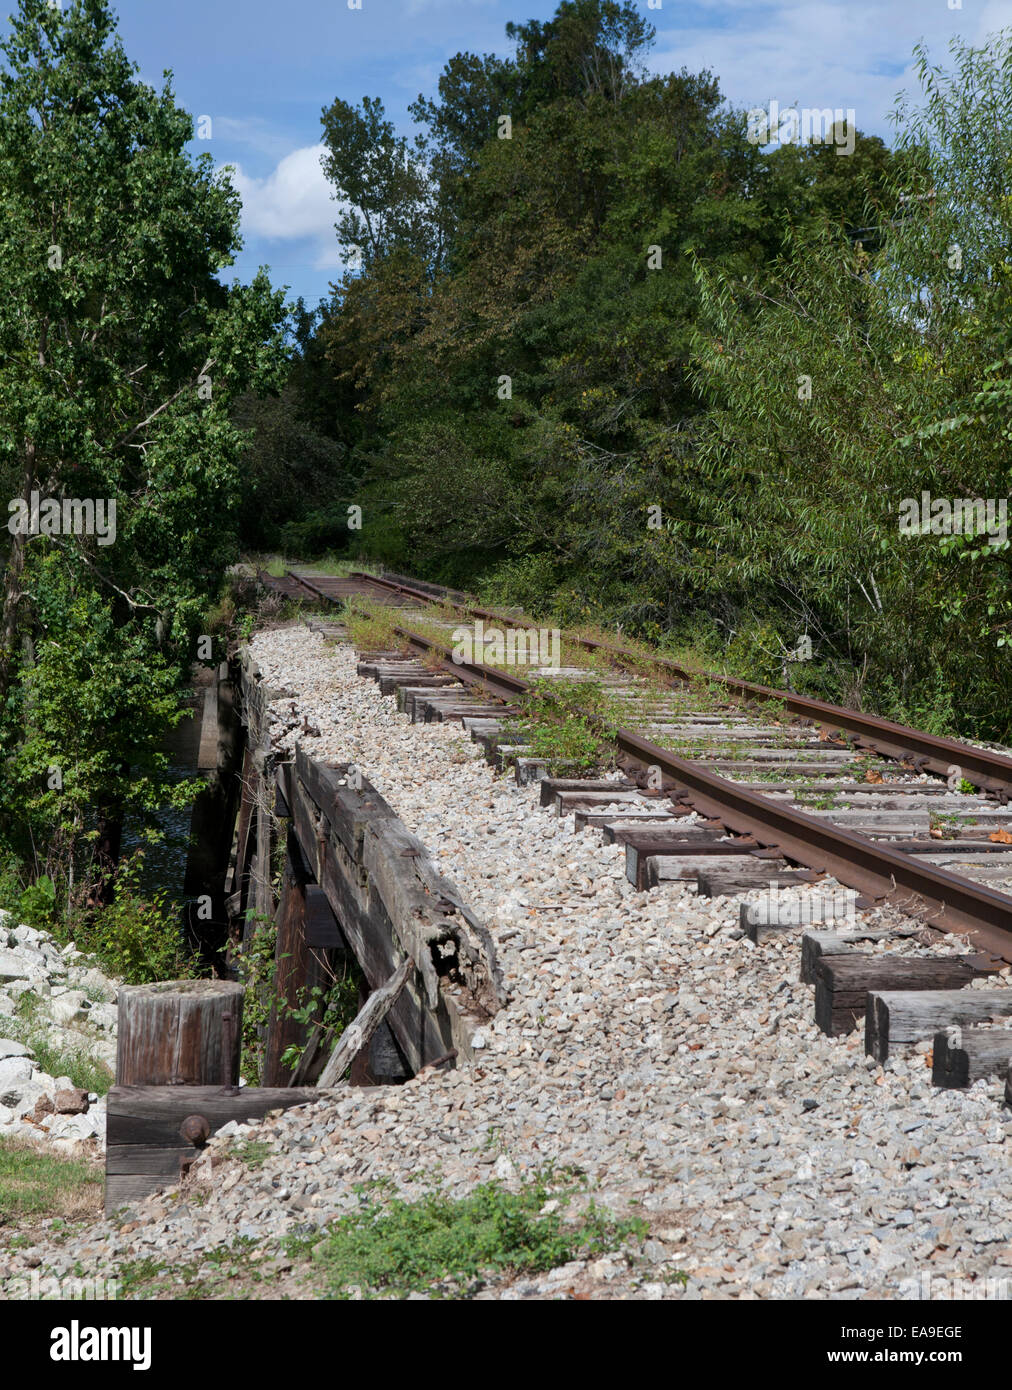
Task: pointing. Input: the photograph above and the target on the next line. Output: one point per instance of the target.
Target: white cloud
(292, 202)
(818, 52)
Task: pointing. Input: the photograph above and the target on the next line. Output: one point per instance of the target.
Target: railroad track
(737, 787)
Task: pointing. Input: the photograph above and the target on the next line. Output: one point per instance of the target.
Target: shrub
(137, 937)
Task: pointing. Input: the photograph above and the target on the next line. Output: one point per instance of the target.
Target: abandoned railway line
(662, 981)
(894, 836)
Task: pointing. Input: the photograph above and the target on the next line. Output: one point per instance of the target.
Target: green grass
(37, 1183)
(340, 566)
(449, 1246)
(445, 1247)
(85, 1070)
(566, 721)
(254, 1153)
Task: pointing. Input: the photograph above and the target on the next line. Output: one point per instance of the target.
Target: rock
(43, 1106)
(27, 936)
(22, 1098)
(71, 1102)
(15, 1069)
(13, 966)
(36, 982)
(72, 1128)
(31, 956)
(98, 983)
(70, 1007)
(10, 1048)
(104, 1016)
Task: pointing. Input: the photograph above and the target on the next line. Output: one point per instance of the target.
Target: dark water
(164, 868)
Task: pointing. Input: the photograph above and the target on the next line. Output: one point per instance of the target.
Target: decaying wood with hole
(391, 902)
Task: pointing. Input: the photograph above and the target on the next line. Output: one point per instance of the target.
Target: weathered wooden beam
(901, 1019)
(239, 879)
(713, 882)
(742, 868)
(357, 1035)
(391, 903)
(300, 965)
(817, 944)
(691, 843)
(961, 1056)
(145, 1148)
(843, 983)
(179, 1032)
(552, 786)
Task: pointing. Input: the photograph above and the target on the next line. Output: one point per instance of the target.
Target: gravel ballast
(647, 1043)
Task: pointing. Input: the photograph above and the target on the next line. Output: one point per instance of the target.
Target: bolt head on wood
(195, 1129)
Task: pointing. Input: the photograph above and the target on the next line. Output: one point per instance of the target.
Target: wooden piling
(179, 1033)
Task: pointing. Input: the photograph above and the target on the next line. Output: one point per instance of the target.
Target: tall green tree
(120, 351)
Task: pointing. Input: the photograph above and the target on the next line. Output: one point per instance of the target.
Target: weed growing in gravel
(254, 1153)
(948, 824)
(371, 626)
(449, 1246)
(565, 721)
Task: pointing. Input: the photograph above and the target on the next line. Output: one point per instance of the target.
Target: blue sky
(263, 71)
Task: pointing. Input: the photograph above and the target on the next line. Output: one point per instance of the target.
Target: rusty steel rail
(943, 899)
(926, 752)
(499, 684)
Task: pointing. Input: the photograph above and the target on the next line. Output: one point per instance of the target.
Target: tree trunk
(13, 593)
(106, 857)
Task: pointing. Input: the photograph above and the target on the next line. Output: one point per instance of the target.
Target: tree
(120, 352)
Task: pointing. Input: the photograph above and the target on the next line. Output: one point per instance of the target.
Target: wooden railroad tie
(844, 982)
(961, 1056)
(895, 1019)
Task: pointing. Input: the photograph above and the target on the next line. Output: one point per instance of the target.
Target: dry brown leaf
(936, 833)
(872, 776)
(1001, 837)
(929, 1060)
